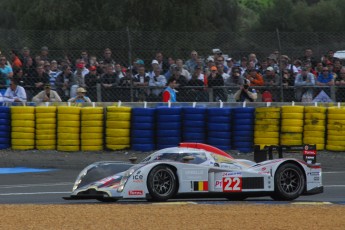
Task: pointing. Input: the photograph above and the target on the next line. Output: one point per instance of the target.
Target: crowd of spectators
(65, 79)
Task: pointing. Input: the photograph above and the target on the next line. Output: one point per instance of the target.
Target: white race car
(197, 170)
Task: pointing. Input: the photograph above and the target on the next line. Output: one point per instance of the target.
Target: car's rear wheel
(162, 183)
(289, 182)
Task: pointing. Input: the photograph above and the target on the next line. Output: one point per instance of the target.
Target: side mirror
(133, 159)
(186, 159)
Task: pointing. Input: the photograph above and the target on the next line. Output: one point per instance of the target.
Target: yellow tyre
(117, 147)
(118, 109)
(315, 116)
(92, 110)
(22, 109)
(336, 110)
(117, 132)
(292, 122)
(68, 136)
(314, 134)
(68, 110)
(46, 109)
(88, 136)
(23, 116)
(23, 142)
(291, 142)
(266, 141)
(259, 134)
(320, 147)
(336, 127)
(45, 132)
(69, 123)
(68, 142)
(314, 140)
(46, 115)
(118, 124)
(336, 133)
(92, 129)
(270, 115)
(46, 126)
(68, 129)
(22, 147)
(92, 142)
(296, 116)
(261, 121)
(23, 123)
(314, 128)
(23, 130)
(92, 123)
(92, 148)
(117, 140)
(291, 136)
(336, 122)
(68, 117)
(67, 148)
(20, 135)
(335, 138)
(315, 122)
(336, 116)
(46, 147)
(335, 148)
(266, 128)
(45, 121)
(45, 142)
(118, 116)
(291, 129)
(267, 110)
(337, 143)
(313, 109)
(292, 109)
(92, 117)
(46, 137)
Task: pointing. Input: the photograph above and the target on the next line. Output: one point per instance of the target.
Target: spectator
(6, 70)
(252, 58)
(109, 80)
(15, 93)
(157, 80)
(272, 61)
(25, 55)
(255, 79)
(192, 62)
(184, 72)
(340, 83)
(169, 93)
(163, 65)
(272, 81)
(47, 95)
(245, 93)
(29, 68)
(154, 65)
(44, 55)
(91, 80)
(209, 63)
(243, 66)
(181, 83)
(80, 97)
(79, 76)
(235, 78)
(216, 80)
(140, 80)
(305, 78)
(53, 73)
(220, 69)
(119, 71)
(230, 65)
(337, 66)
(15, 61)
(197, 93)
(308, 57)
(84, 56)
(64, 82)
(325, 79)
(330, 56)
(39, 79)
(107, 57)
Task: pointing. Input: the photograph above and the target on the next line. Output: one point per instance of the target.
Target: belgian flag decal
(200, 185)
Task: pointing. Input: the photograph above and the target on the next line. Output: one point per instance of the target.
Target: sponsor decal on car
(232, 182)
(135, 192)
(138, 178)
(227, 174)
(199, 185)
(218, 184)
(195, 174)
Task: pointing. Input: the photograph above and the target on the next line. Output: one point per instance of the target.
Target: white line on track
(35, 185)
(334, 172)
(335, 186)
(31, 193)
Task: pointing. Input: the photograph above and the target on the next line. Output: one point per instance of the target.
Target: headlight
(124, 179)
(79, 179)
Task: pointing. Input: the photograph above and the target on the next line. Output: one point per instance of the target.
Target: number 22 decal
(232, 184)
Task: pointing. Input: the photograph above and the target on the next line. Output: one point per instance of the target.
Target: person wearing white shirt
(157, 80)
(15, 93)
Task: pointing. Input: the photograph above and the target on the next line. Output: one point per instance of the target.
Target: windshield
(199, 157)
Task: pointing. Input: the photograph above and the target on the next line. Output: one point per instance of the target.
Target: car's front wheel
(162, 183)
(289, 182)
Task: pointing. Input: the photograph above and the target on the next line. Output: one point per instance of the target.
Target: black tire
(289, 182)
(162, 183)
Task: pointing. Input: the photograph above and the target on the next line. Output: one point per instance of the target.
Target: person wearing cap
(91, 80)
(271, 81)
(47, 95)
(169, 93)
(245, 93)
(216, 80)
(158, 81)
(303, 83)
(154, 65)
(15, 92)
(80, 96)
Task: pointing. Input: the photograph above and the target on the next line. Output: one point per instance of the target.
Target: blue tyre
(142, 140)
(243, 144)
(218, 141)
(6, 116)
(244, 110)
(169, 140)
(194, 110)
(219, 127)
(5, 134)
(196, 123)
(169, 126)
(5, 122)
(223, 147)
(143, 133)
(243, 133)
(194, 117)
(169, 118)
(243, 121)
(150, 112)
(168, 133)
(219, 119)
(188, 129)
(4, 109)
(241, 139)
(215, 134)
(5, 146)
(219, 111)
(143, 147)
(168, 111)
(163, 146)
(143, 126)
(4, 140)
(243, 127)
(193, 135)
(243, 116)
(5, 128)
(143, 119)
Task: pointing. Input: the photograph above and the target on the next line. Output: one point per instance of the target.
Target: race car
(197, 170)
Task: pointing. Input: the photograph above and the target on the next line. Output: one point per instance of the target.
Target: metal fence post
(98, 92)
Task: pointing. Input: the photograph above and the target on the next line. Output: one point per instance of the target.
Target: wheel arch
(296, 163)
(172, 167)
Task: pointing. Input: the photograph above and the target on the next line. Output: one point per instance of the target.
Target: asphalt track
(61, 169)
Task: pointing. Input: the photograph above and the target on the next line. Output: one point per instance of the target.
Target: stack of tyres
(194, 124)
(267, 126)
(143, 129)
(315, 126)
(243, 129)
(5, 127)
(92, 128)
(118, 127)
(219, 127)
(168, 126)
(46, 127)
(68, 128)
(23, 127)
(336, 129)
(292, 123)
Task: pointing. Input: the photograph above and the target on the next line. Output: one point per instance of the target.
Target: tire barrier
(267, 126)
(68, 128)
(243, 129)
(118, 118)
(292, 123)
(194, 124)
(219, 127)
(23, 127)
(92, 133)
(314, 130)
(143, 129)
(168, 130)
(45, 127)
(336, 129)
(5, 127)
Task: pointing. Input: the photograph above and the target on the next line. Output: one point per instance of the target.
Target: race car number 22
(232, 184)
